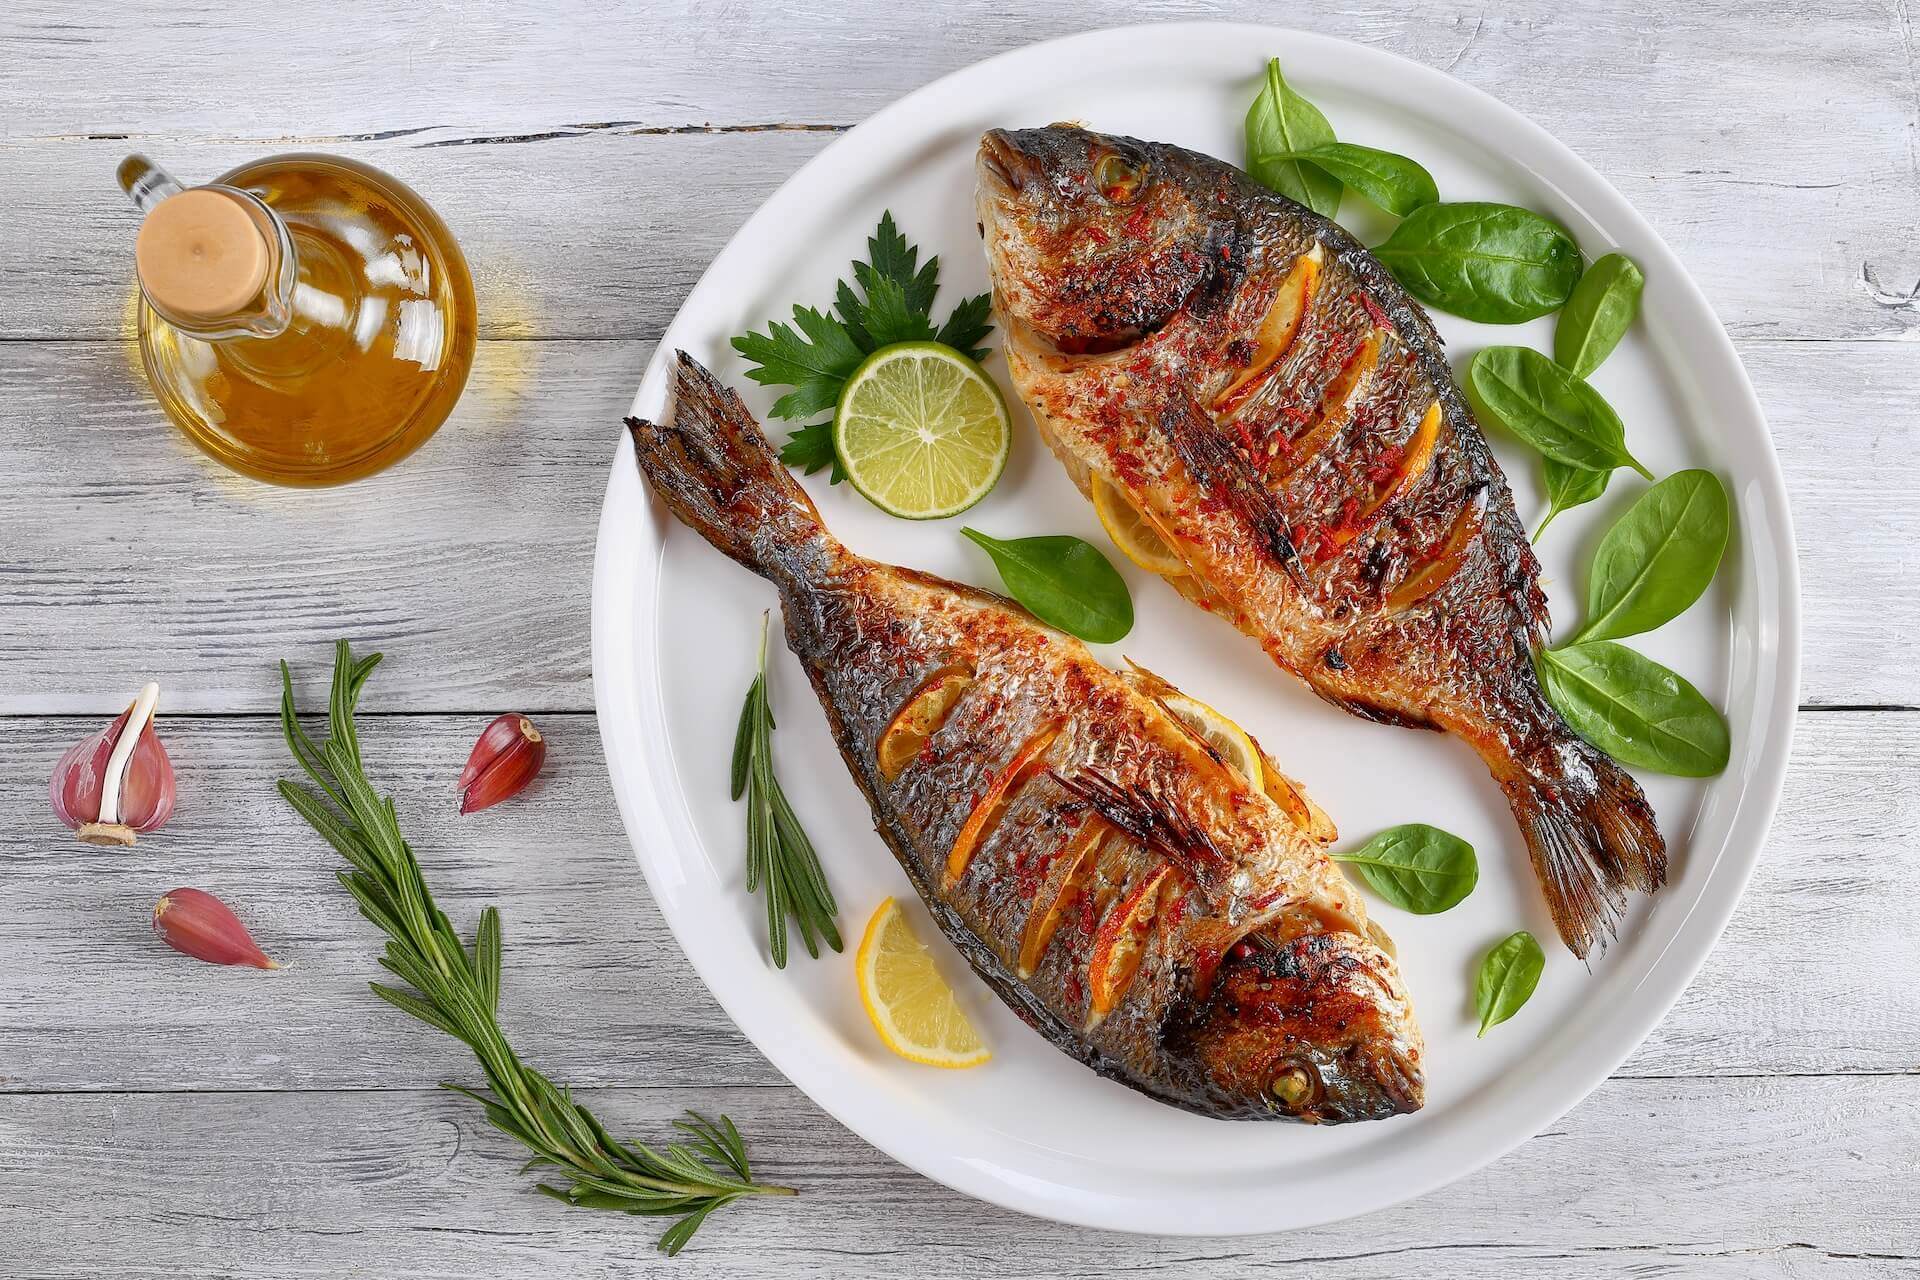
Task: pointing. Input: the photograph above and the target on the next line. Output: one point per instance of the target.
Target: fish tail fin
(1592, 838)
(716, 471)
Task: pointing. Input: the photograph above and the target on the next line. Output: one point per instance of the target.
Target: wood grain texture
(1782, 170)
(592, 235)
(126, 555)
(121, 543)
(416, 1184)
(166, 1121)
(1815, 974)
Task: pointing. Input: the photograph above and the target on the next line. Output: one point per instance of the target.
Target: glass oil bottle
(306, 319)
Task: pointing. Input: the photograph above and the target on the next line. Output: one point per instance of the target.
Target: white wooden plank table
(161, 1121)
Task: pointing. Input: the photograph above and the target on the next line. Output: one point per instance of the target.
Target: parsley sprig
(890, 300)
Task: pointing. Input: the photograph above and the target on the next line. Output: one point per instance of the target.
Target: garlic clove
(118, 782)
(196, 923)
(507, 757)
(75, 788)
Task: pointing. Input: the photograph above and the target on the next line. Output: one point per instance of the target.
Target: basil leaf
(1570, 487)
(1489, 262)
(1634, 709)
(1507, 978)
(1393, 182)
(1658, 557)
(1597, 315)
(1548, 408)
(1065, 582)
(1280, 124)
(1416, 867)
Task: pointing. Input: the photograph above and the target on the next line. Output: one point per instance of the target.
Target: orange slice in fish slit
(993, 806)
(1438, 570)
(1337, 405)
(920, 717)
(1058, 897)
(1278, 328)
(1121, 944)
(1414, 461)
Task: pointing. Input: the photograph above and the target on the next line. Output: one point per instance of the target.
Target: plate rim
(1627, 1025)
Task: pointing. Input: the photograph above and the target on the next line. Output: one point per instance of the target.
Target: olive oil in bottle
(305, 319)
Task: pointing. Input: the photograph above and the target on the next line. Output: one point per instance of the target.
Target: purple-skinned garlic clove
(195, 923)
(118, 783)
(505, 760)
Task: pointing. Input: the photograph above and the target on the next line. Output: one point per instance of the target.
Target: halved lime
(921, 430)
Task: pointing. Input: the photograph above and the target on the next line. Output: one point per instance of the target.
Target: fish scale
(1144, 978)
(1335, 500)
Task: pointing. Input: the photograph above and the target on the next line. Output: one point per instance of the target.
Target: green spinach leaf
(1658, 557)
(1507, 979)
(1416, 867)
(1634, 709)
(1280, 125)
(1063, 581)
(1393, 182)
(1548, 408)
(1570, 487)
(1597, 314)
(1490, 262)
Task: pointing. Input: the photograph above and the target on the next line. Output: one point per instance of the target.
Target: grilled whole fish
(1263, 392)
(1119, 886)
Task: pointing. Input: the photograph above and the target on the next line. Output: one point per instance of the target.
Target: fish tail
(714, 468)
(1592, 838)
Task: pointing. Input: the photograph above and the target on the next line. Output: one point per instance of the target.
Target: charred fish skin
(1118, 886)
(1256, 383)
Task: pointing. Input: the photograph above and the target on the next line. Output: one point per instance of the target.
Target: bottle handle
(216, 263)
(145, 182)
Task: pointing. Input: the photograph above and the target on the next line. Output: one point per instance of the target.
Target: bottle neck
(214, 262)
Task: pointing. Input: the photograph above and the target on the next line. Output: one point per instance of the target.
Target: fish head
(1317, 1028)
(1093, 241)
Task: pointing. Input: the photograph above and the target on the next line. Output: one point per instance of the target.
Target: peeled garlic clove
(507, 758)
(197, 924)
(119, 781)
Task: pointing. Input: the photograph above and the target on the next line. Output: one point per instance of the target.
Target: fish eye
(1118, 179)
(1296, 1084)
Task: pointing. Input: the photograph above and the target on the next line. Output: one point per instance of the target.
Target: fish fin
(1149, 820)
(1592, 837)
(1373, 711)
(1218, 468)
(713, 467)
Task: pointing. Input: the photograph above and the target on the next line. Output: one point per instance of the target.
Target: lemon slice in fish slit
(1133, 533)
(1220, 733)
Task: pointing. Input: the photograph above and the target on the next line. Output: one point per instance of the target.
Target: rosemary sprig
(457, 990)
(779, 855)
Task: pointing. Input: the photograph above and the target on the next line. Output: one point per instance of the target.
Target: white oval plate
(674, 632)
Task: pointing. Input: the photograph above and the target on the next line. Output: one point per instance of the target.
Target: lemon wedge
(1137, 539)
(911, 1005)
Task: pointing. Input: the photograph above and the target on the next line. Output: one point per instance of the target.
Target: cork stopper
(201, 255)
